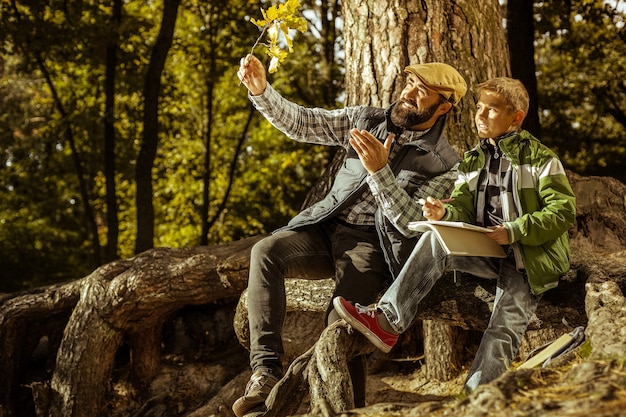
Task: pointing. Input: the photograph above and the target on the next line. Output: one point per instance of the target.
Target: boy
(514, 185)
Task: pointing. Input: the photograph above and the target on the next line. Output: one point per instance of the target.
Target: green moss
(585, 349)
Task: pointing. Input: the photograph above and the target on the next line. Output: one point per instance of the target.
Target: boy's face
(493, 118)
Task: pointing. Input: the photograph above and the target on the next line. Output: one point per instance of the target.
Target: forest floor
(572, 387)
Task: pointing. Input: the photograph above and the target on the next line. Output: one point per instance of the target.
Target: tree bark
(442, 350)
(110, 253)
(124, 299)
(322, 372)
(383, 37)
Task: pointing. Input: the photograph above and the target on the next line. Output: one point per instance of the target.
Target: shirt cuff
(381, 180)
(263, 100)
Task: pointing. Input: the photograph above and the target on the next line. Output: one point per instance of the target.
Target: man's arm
(310, 125)
(398, 206)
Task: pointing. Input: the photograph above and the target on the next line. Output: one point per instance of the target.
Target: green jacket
(538, 212)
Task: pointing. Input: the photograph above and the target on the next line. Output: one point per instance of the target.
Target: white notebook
(462, 239)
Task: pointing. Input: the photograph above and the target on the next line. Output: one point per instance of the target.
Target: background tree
(381, 41)
(582, 95)
(150, 142)
(520, 31)
(112, 236)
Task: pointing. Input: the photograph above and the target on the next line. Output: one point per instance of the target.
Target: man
(516, 186)
(358, 233)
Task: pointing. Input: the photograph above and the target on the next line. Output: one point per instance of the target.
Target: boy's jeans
(513, 307)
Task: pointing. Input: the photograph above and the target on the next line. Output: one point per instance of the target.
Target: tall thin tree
(31, 48)
(109, 134)
(149, 144)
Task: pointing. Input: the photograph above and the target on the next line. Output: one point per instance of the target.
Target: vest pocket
(410, 181)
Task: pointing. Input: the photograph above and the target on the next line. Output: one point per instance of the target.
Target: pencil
(445, 200)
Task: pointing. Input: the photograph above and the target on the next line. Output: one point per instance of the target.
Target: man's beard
(407, 117)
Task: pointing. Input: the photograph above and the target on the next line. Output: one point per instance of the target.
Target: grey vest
(414, 164)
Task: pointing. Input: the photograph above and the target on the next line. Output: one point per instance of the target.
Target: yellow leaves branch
(279, 19)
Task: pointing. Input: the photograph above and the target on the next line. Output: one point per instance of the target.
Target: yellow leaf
(279, 18)
(274, 64)
(272, 33)
(285, 29)
(259, 23)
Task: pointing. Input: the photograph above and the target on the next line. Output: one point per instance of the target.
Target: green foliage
(43, 233)
(582, 94)
(42, 239)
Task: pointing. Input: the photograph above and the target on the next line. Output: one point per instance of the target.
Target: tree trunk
(520, 25)
(442, 350)
(147, 153)
(110, 253)
(126, 299)
(383, 37)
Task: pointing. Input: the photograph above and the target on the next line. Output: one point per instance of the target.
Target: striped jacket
(538, 212)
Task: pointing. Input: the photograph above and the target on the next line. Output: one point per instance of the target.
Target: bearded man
(359, 232)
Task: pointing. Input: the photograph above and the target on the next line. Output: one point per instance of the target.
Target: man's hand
(372, 153)
(252, 74)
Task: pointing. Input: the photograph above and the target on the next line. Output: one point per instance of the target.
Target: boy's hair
(512, 91)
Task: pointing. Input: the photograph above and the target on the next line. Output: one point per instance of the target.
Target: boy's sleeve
(555, 209)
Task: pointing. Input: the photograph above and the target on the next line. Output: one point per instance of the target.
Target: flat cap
(442, 78)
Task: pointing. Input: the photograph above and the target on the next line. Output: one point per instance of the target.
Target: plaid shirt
(332, 127)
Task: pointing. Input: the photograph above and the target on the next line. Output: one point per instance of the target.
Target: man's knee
(266, 248)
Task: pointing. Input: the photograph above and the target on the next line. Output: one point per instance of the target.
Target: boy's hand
(252, 74)
(372, 153)
(432, 208)
(499, 234)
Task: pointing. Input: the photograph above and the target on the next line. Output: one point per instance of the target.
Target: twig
(256, 43)
(258, 39)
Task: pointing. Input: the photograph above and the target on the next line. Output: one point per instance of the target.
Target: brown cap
(442, 78)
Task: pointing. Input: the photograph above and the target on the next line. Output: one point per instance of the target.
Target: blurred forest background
(123, 125)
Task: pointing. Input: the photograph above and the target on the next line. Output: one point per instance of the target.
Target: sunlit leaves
(43, 233)
(279, 19)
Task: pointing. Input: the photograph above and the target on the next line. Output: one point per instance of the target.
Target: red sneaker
(364, 319)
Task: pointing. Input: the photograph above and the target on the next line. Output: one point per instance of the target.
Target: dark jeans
(352, 255)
